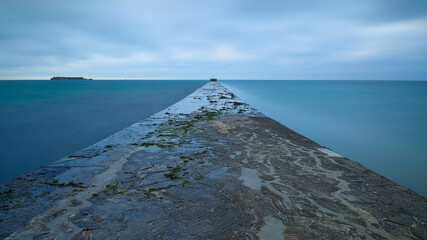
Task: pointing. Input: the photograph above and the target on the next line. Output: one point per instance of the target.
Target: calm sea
(380, 124)
(42, 121)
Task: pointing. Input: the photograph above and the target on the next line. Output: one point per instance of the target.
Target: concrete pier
(208, 167)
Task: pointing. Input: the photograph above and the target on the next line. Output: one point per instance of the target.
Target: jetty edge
(208, 167)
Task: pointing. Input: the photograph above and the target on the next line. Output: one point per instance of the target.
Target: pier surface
(208, 167)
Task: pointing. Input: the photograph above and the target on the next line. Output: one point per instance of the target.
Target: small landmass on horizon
(70, 78)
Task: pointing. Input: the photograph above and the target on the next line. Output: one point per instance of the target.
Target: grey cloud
(334, 39)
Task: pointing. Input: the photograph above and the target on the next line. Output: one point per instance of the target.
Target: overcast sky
(236, 39)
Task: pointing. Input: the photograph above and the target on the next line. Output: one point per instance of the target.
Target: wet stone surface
(208, 167)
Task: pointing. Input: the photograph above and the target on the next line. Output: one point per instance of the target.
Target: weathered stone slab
(208, 167)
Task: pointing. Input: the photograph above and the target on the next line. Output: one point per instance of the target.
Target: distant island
(70, 78)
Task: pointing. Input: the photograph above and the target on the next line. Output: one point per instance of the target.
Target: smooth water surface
(380, 124)
(42, 121)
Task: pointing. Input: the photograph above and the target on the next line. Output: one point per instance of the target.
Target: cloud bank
(237, 39)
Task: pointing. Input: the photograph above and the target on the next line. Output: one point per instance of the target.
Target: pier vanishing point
(208, 167)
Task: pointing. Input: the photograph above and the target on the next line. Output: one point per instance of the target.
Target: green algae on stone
(171, 135)
(200, 177)
(148, 144)
(114, 189)
(174, 172)
(200, 153)
(161, 144)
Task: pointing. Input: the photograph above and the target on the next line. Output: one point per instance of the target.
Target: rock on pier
(208, 167)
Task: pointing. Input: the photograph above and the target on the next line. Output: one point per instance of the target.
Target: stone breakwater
(208, 167)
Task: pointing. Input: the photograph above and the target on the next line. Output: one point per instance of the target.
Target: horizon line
(206, 79)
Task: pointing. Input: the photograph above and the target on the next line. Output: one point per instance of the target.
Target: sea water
(42, 121)
(380, 124)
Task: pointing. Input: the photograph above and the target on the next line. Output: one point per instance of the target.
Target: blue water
(42, 121)
(380, 124)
